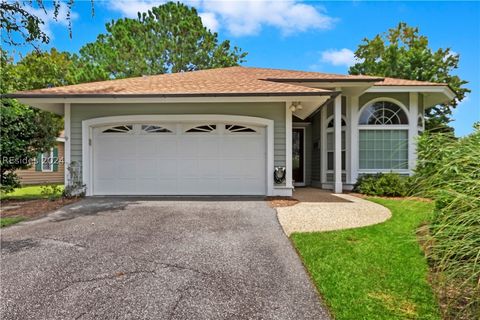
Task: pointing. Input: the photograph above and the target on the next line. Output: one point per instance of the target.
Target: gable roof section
(232, 81)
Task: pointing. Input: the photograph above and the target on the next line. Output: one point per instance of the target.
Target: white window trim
(51, 161)
(332, 130)
(383, 127)
(90, 124)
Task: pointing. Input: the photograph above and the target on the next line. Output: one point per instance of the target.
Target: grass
(8, 221)
(26, 193)
(376, 272)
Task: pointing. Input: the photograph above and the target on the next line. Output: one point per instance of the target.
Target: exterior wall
(319, 177)
(30, 176)
(273, 111)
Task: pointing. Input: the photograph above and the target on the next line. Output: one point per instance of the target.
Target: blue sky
(316, 36)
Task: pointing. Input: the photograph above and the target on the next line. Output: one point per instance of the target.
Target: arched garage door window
(383, 137)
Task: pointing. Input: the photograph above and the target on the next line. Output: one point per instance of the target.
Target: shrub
(382, 184)
(52, 192)
(448, 171)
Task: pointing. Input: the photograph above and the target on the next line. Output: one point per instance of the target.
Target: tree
(21, 25)
(24, 131)
(45, 69)
(403, 53)
(167, 38)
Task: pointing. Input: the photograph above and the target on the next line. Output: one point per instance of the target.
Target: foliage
(375, 272)
(403, 53)
(383, 184)
(167, 38)
(51, 191)
(24, 131)
(8, 221)
(27, 193)
(448, 171)
(45, 69)
(20, 24)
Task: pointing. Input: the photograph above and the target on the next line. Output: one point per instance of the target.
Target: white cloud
(210, 21)
(242, 18)
(247, 17)
(130, 8)
(342, 57)
(49, 19)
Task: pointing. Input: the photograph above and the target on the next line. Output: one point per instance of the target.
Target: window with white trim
(119, 129)
(203, 129)
(331, 144)
(383, 113)
(235, 128)
(383, 137)
(152, 128)
(47, 161)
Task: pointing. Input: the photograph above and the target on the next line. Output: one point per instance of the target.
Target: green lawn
(26, 193)
(376, 272)
(7, 221)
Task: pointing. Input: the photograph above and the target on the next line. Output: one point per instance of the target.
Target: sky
(305, 35)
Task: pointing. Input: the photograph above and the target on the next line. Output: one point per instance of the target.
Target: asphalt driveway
(114, 258)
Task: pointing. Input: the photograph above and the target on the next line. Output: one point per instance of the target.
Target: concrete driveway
(114, 258)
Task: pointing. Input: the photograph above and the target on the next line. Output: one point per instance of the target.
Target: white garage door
(179, 159)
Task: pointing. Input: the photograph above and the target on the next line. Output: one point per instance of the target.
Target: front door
(298, 156)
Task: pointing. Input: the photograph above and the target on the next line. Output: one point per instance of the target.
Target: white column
(67, 144)
(337, 116)
(412, 130)
(288, 145)
(354, 141)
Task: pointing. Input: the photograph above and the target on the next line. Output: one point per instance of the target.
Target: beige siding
(273, 111)
(30, 176)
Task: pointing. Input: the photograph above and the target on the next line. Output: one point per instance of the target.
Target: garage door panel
(211, 163)
(145, 168)
(166, 168)
(125, 168)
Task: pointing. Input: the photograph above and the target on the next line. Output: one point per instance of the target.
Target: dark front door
(298, 154)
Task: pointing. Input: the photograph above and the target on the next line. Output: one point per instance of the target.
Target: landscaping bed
(31, 202)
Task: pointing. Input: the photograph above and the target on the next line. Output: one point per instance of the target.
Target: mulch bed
(32, 209)
(276, 202)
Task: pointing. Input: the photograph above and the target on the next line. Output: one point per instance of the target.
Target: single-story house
(236, 130)
(48, 167)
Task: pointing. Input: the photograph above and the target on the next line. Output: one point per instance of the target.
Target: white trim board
(88, 125)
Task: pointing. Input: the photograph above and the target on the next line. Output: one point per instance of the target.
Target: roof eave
(323, 80)
(169, 95)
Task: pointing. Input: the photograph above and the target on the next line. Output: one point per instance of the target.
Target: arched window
(383, 113)
(383, 137)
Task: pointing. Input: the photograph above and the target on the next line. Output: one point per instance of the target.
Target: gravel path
(327, 216)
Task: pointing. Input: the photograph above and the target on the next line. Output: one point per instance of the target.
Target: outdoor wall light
(296, 105)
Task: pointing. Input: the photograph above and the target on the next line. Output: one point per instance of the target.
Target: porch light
(296, 105)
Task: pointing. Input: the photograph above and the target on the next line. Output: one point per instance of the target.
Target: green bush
(51, 192)
(448, 171)
(383, 184)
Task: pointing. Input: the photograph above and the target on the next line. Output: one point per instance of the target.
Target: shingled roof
(232, 81)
